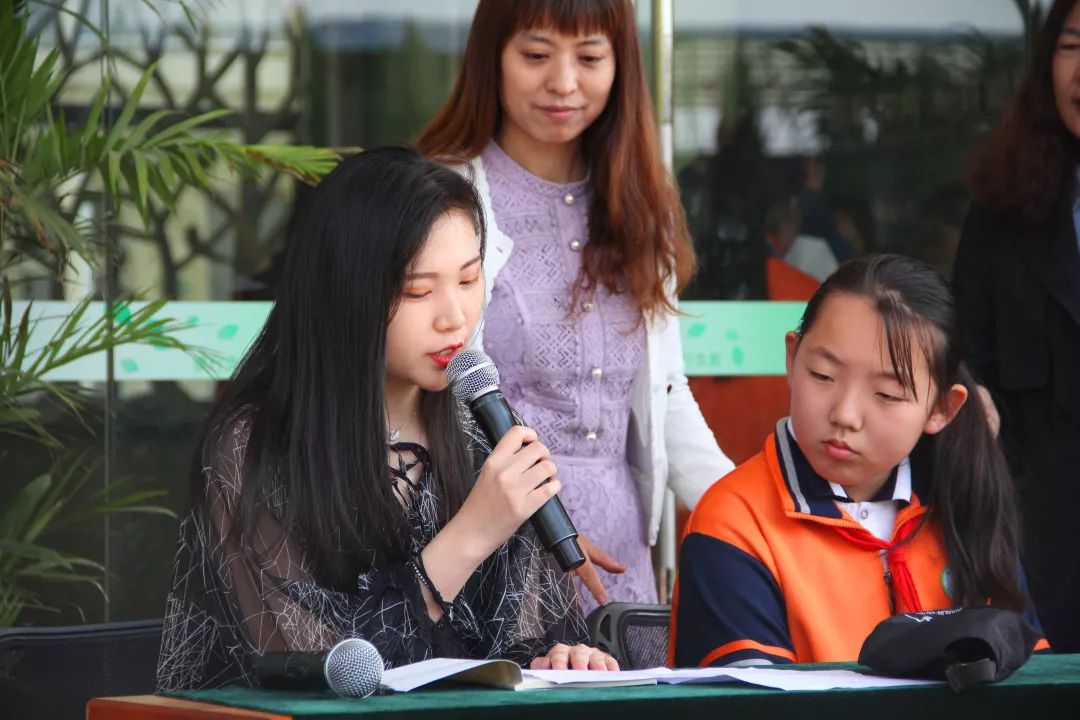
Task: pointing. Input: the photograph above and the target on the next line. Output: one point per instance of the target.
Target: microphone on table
(352, 668)
(474, 380)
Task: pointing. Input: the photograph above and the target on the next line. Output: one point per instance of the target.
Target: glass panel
(340, 73)
(343, 74)
(830, 121)
(382, 69)
(803, 132)
(808, 133)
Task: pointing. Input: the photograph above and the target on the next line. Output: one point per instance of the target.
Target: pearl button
(587, 307)
(591, 436)
(575, 244)
(596, 373)
(569, 198)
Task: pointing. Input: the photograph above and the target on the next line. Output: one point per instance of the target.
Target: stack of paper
(506, 674)
(782, 679)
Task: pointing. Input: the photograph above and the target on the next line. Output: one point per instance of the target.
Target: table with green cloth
(1048, 685)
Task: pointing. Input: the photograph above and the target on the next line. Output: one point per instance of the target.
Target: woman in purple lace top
(551, 119)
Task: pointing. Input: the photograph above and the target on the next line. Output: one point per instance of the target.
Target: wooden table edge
(158, 707)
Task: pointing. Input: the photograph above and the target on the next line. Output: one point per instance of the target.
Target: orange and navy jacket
(764, 576)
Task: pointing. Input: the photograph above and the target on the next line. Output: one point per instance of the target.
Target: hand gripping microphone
(474, 380)
(352, 668)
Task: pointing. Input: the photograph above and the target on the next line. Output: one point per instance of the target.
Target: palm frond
(46, 503)
(24, 368)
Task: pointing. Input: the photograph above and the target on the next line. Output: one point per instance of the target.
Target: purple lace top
(569, 371)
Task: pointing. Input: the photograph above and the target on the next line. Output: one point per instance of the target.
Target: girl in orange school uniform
(885, 491)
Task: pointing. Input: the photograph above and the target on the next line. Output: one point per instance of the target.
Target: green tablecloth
(1048, 686)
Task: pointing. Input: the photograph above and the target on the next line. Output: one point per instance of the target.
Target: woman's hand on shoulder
(576, 657)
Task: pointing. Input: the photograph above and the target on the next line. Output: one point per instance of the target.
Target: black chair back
(636, 634)
(51, 672)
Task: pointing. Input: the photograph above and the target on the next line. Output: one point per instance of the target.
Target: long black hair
(311, 386)
(961, 469)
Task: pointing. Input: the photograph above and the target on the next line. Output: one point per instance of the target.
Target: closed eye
(889, 398)
(819, 376)
(470, 283)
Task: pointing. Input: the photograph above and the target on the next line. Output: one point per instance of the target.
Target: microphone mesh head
(469, 372)
(353, 668)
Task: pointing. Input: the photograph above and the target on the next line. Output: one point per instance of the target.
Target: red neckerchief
(902, 582)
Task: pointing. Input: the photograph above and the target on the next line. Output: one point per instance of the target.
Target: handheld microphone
(352, 668)
(474, 380)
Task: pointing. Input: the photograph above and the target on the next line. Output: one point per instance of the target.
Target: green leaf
(165, 166)
(164, 193)
(20, 342)
(141, 510)
(143, 185)
(20, 513)
(135, 139)
(63, 562)
(303, 161)
(188, 14)
(112, 175)
(91, 129)
(5, 306)
(16, 415)
(120, 125)
(178, 131)
(194, 166)
(33, 551)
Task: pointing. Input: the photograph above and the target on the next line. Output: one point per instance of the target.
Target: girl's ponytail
(971, 497)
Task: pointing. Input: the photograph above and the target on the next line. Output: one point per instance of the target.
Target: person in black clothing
(1017, 281)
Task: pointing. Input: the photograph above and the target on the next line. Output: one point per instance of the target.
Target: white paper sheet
(588, 677)
(409, 677)
(782, 679)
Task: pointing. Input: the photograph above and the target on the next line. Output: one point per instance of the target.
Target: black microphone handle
(291, 670)
(552, 524)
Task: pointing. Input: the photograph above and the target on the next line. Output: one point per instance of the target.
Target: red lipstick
(442, 357)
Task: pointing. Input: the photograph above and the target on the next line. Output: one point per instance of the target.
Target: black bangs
(915, 306)
(901, 326)
(569, 17)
